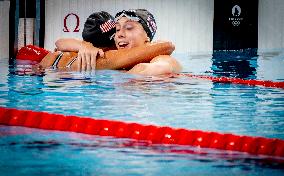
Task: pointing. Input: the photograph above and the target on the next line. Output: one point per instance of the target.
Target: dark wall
(25, 9)
(235, 24)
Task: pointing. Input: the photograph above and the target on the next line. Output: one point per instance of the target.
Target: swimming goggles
(132, 15)
(128, 14)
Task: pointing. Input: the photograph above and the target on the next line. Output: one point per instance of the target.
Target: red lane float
(150, 133)
(238, 81)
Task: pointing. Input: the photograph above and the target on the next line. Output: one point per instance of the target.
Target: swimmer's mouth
(122, 45)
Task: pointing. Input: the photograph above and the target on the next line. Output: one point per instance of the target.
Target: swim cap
(99, 29)
(143, 16)
(32, 53)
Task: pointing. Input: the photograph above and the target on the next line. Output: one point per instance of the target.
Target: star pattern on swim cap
(152, 25)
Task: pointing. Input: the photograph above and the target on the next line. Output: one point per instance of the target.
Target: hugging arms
(132, 39)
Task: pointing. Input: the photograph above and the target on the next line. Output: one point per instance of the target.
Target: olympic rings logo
(236, 23)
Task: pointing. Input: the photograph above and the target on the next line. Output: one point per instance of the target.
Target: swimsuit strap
(56, 61)
(71, 62)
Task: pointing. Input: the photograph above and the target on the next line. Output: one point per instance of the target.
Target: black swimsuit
(71, 62)
(56, 61)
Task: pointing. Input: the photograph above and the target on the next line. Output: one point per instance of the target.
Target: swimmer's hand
(37, 69)
(87, 56)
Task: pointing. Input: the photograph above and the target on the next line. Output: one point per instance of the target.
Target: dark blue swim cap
(144, 17)
(99, 29)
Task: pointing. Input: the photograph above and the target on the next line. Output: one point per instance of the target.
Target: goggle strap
(134, 18)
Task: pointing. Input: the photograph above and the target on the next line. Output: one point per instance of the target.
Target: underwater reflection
(239, 64)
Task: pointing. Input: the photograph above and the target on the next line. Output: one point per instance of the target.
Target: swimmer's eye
(117, 29)
(128, 27)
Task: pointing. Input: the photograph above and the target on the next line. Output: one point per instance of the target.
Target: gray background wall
(187, 23)
(270, 24)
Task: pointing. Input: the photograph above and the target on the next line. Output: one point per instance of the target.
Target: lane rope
(150, 133)
(249, 82)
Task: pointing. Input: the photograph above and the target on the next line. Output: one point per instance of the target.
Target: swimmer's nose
(120, 33)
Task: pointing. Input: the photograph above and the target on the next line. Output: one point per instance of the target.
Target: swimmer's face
(129, 34)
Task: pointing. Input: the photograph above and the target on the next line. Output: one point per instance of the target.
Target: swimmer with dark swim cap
(144, 17)
(98, 31)
(133, 47)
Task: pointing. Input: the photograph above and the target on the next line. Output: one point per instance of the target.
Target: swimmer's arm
(127, 58)
(163, 64)
(46, 62)
(68, 44)
(87, 52)
(74, 45)
(120, 59)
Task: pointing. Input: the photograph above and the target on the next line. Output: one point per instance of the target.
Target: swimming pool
(179, 102)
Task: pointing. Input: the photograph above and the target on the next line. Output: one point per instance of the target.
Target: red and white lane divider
(238, 81)
(150, 133)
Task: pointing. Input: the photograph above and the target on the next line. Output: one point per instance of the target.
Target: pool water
(178, 102)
